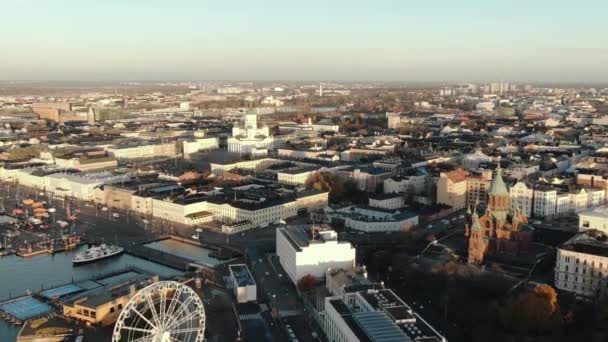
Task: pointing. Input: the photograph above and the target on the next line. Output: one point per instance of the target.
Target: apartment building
(582, 265)
(452, 188)
(522, 198)
(143, 150)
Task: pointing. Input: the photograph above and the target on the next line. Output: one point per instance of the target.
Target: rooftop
(589, 242)
(241, 274)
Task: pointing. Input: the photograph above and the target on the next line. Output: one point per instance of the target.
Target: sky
(356, 40)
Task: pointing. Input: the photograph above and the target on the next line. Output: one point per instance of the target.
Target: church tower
(498, 195)
(478, 242)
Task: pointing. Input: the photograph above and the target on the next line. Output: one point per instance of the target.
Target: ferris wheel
(165, 311)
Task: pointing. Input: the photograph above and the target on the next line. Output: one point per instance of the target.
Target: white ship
(97, 253)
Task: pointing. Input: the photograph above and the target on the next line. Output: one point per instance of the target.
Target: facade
(219, 169)
(304, 252)
(452, 189)
(200, 144)
(551, 202)
(411, 185)
(387, 201)
(545, 201)
(297, 175)
(500, 229)
(521, 197)
(582, 265)
(143, 151)
(477, 187)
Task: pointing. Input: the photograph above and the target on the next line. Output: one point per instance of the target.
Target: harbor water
(19, 275)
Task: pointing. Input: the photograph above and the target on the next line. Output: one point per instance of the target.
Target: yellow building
(452, 188)
(102, 303)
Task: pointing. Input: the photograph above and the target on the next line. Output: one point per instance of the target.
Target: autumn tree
(535, 311)
(339, 189)
(308, 282)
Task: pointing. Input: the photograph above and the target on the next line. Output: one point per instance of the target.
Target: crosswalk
(289, 313)
(281, 313)
(247, 317)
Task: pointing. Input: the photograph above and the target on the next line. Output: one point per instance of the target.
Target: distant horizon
(388, 40)
(296, 81)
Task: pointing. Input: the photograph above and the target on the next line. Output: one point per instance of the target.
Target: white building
(370, 220)
(296, 175)
(521, 198)
(200, 144)
(582, 265)
(544, 202)
(245, 289)
(412, 184)
(304, 252)
(549, 202)
(596, 218)
(81, 185)
(218, 169)
(386, 201)
(471, 161)
(145, 150)
(375, 315)
(237, 210)
(250, 139)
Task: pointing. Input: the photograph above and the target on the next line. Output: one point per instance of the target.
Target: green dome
(498, 187)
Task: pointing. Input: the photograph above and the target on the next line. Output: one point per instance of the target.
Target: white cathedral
(251, 140)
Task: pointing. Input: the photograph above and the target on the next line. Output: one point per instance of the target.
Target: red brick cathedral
(499, 230)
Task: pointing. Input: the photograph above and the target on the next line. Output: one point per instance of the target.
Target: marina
(44, 278)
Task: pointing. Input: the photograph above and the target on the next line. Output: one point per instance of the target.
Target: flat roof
(241, 274)
(378, 327)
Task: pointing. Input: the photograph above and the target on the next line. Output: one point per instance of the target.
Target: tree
(535, 311)
(308, 282)
(319, 181)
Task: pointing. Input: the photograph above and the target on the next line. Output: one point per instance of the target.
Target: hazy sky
(401, 40)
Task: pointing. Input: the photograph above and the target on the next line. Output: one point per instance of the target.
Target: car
(194, 236)
(267, 273)
(104, 208)
(116, 215)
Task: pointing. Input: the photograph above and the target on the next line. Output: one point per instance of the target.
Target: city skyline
(554, 41)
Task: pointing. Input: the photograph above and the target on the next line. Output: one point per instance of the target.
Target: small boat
(102, 251)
